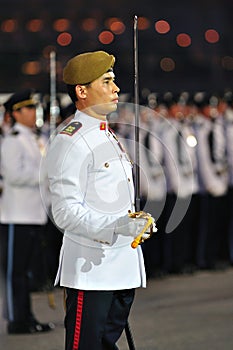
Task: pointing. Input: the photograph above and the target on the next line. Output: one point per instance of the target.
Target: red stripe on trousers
(78, 319)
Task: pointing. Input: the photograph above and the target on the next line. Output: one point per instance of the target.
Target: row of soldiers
(186, 177)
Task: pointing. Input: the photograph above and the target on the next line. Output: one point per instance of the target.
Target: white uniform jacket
(214, 175)
(91, 186)
(179, 160)
(228, 118)
(22, 185)
(152, 179)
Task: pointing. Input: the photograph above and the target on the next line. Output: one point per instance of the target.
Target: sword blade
(136, 105)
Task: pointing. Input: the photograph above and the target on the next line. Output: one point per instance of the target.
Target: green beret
(87, 67)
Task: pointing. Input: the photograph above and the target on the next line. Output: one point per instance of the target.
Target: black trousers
(18, 248)
(217, 229)
(95, 320)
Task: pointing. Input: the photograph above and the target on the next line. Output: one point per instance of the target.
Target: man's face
(102, 95)
(26, 116)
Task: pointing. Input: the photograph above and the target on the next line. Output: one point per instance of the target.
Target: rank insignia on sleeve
(71, 129)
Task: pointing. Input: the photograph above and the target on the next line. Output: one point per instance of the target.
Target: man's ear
(81, 91)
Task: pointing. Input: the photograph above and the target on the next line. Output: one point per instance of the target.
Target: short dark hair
(72, 92)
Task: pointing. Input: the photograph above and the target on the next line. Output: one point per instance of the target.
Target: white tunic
(229, 143)
(213, 174)
(179, 160)
(22, 182)
(91, 186)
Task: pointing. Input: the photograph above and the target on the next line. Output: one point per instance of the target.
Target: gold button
(106, 165)
(128, 179)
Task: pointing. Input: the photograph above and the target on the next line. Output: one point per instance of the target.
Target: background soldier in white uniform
(228, 129)
(179, 168)
(153, 184)
(22, 212)
(213, 174)
(92, 191)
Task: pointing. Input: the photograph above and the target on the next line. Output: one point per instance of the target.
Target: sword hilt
(149, 223)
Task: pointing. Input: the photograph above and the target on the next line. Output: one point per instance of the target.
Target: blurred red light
(162, 27)
(64, 39)
(212, 36)
(106, 37)
(183, 40)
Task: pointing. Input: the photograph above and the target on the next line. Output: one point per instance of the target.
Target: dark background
(197, 67)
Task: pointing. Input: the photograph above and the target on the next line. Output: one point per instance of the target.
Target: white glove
(218, 190)
(127, 226)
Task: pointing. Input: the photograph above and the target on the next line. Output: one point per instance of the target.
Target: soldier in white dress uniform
(23, 214)
(152, 184)
(228, 128)
(92, 192)
(179, 160)
(212, 165)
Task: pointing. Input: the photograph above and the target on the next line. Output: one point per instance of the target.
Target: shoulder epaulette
(71, 129)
